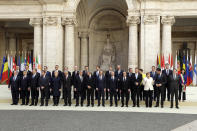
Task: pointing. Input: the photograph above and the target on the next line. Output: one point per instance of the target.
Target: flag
(28, 62)
(11, 64)
(171, 62)
(25, 62)
(34, 63)
(176, 63)
(4, 77)
(184, 63)
(190, 74)
(162, 62)
(158, 61)
(195, 73)
(30, 65)
(19, 61)
(14, 63)
(10, 60)
(38, 64)
(22, 64)
(4, 59)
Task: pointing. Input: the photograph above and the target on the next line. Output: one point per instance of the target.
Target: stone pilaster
(12, 43)
(69, 58)
(167, 22)
(84, 49)
(150, 41)
(52, 42)
(37, 24)
(133, 22)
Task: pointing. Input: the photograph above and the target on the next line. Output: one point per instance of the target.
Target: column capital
(150, 19)
(169, 20)
(133, 20)
(69, 21)
(35, 21)
(83, 34)
(50, 20)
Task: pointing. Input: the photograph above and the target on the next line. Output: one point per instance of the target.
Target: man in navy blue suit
(153, 75)
(101, 88)
(118, 75)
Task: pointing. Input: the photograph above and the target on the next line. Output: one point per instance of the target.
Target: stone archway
(94, 23)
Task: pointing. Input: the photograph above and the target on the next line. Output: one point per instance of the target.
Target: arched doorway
(96, 20)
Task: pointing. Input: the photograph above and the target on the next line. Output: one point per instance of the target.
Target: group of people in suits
(115, 85)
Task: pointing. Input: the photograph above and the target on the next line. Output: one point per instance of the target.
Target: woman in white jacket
(148, 89)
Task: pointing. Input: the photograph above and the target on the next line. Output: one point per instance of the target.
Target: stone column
(69, 56)
(150, 41)
(84, 49)
(12, 43)
(52, 42)
(133, 22)
(37, 24)
(167, 22)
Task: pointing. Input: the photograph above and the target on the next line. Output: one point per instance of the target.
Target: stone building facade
(98, 32)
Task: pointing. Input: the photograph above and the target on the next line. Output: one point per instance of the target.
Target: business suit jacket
(138, 79)
(175, 83)
(124, 84)
(24, 83)
(74, 76)
(113, 84)
(14, 84)
(131, 79)
(160, 80)
(59, 74)
(108, 77)
(90, 82)
(67, 82)
(153, 75)
(101, 83)
(34, 81)
(56, 85)
(167, 77)
(44, 81)
(80, 84)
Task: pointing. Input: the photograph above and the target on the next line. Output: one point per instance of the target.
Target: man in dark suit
(118, 75)
(101, 88)
(25, 89)
(48, 74)
(67, 86)
(125, 90)
(56, 88)
(95, 75)
(167, 72)
(14, 85)
(75, 73)
(130, 76)
(57, 70)
(175, 82)
(20, 75)
(160, 82)
(137, 79)
(44, 88)
(113, 89)
(153, 75)
(34, 87)
(29, 73)
(90, 89)
(108, 77)
(85, 74)
(80, 88)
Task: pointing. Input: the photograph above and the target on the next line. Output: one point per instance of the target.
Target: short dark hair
(158, 69)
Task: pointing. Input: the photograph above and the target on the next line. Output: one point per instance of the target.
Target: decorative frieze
(69, 21)
(150, 19)
(170, 20)
(50, 20)
(133, 20)
(35, 21)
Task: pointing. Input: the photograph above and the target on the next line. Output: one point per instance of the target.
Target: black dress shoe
(162, 106)
(92, 105)
(171, 106)
(42, 105)
(103, 105)
(127, 106)
(138, 105)
(31, 104)
(156, 106)
(122, 106)
(116, 105)
(12, 104)
(177, 107)
(111, 105)
(81, 105)
(98, 105)
(76, 105)
(87, 105)
(22, 104)
(27, 104)
(65, 104)
(54, 105)
(133, 105)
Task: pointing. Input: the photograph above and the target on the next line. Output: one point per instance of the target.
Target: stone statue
(108, 55)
